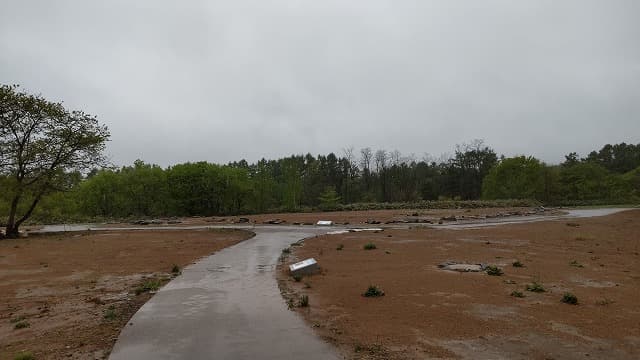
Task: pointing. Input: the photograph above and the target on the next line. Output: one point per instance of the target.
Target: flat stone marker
(304, 267)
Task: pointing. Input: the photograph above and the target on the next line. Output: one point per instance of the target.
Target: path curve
(225, 306)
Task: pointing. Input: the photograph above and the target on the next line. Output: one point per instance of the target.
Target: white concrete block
(304, 267)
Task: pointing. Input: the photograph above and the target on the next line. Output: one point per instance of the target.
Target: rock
(461, 267)
(273, 222)
(243, 220)
(374, 222)
(324, 222)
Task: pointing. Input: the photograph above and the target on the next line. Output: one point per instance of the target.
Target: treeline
(328, 182)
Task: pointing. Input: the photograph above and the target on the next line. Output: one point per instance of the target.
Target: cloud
(221, 81)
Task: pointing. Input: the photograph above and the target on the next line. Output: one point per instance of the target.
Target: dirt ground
(68, 296)
(428, 312)
(357, 217)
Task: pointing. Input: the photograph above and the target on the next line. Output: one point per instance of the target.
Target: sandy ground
(427, 312)
(75, 292)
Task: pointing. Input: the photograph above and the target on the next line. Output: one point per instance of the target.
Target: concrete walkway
(226, 306)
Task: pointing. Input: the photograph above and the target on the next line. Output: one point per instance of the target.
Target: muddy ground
(427, 312)
(68, 296)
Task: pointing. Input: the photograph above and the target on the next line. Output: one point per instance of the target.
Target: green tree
(329, 199)
(41, 143)
(515, 178)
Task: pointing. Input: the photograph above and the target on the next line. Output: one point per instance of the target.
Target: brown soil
(432, 313)
(362, 217)
(62, 286)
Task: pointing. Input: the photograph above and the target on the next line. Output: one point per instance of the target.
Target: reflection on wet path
(226, 306)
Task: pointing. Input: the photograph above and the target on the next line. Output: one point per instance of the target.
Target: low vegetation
(149, 286)
(535, 287)
(569, 298)
(517, 294)
(517, 263)
(373, 291)
(110, 314)
(340, 247)
(493, 270)
(369, 246)
(21, 325)
(575, 263)
(304, 301)
(24, 356)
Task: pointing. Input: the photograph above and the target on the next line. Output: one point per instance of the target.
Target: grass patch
(575, 263)
(517, 263)
(535, 287)
(110, 314)
(304, 301)
(569, 298)
(516, 293)
(369, 246)
(340, 247)
(24, 356)
(494, 270)
(373, 291)
(149, 285)
(21, 325)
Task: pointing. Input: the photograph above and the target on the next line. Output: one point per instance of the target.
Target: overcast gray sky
(179, 81)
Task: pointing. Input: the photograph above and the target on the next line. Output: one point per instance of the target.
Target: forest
(365, 179)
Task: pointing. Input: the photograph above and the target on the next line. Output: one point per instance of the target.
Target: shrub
(175, 269)
(110, 314)
(569, 298)
(297, 277)
(516, 293)
(517, 263)
(536, 287)
(21, 325)
(286, 250)
(575, 263)
(340, 247)
(369, 246)
(18, 319)
(304, 301)
(493, 270)
(373, 291)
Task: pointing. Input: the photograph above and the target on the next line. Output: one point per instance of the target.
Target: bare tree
(365, 159)
(381, 158)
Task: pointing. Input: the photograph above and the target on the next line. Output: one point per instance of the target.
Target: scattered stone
(461, 267)
(273, 222)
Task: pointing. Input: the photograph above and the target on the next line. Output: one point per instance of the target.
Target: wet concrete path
(226, 306)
